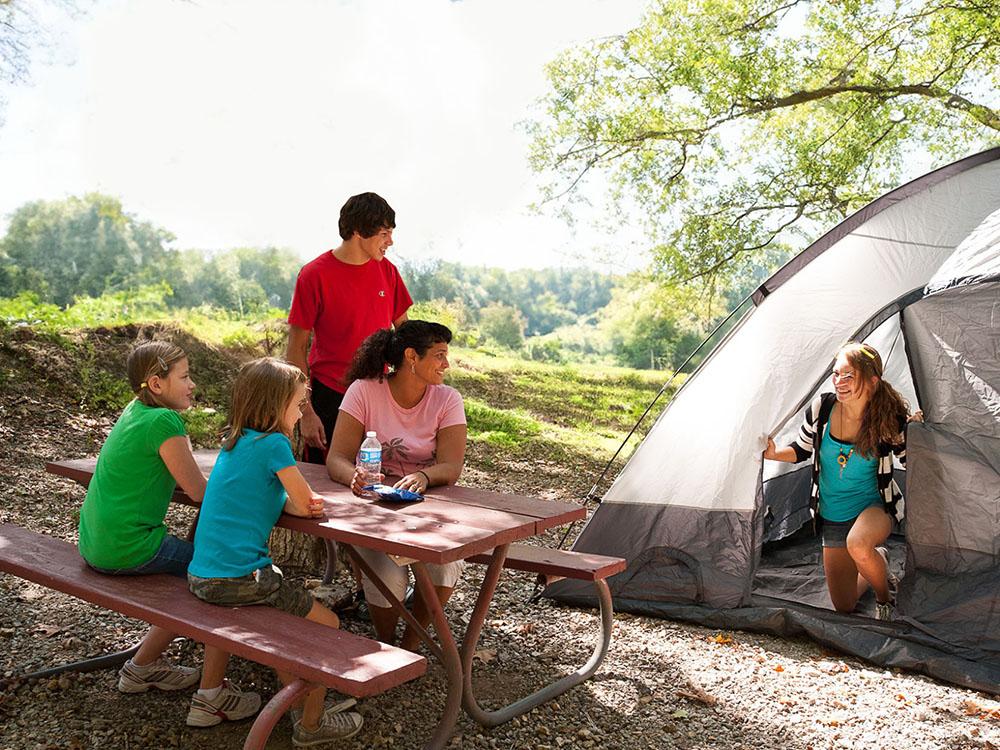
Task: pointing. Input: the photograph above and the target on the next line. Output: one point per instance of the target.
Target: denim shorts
(265, 586)
(834, 533)
(172, 557)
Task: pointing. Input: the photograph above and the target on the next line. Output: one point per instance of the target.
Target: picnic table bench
(452, 523)
(314, 653)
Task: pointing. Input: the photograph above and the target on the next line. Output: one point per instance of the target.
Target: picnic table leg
(449, 657)
(331, 561)
(560, 686)
(263, 725)
(397, 606)
(104, 661)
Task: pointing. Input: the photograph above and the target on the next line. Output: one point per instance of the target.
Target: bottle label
(370, 455)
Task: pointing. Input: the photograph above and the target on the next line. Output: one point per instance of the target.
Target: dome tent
(715, 535)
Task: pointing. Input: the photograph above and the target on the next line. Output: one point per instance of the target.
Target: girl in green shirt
(122, 529)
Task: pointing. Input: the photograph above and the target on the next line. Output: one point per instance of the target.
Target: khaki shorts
(265, 586)
(397, 576)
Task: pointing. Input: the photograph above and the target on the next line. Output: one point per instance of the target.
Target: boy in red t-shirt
(341, 298)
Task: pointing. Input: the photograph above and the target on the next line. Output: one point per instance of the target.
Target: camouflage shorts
(264, 586)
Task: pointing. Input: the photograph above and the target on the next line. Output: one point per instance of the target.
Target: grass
(587, 406)
(498, 426)
(569, 415)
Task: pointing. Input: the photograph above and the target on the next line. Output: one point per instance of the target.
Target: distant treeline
(90, 248)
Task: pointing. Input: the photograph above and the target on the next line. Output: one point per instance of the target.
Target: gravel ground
(664, 684)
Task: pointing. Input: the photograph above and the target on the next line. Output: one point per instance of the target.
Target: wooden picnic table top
(451, 523)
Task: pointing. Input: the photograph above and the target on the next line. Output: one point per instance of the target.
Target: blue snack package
(394, 494)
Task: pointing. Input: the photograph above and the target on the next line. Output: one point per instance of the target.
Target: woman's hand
(770, 452)
(359, 482)
(415, 482)
(917, 416)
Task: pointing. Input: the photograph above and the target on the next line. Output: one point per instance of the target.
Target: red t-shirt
(342, 305)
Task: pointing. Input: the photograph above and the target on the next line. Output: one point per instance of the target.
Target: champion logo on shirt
(381, 292)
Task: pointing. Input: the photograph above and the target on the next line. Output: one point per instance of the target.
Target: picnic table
(452, 523)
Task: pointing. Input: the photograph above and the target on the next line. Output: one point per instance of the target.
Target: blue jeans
(172, 557)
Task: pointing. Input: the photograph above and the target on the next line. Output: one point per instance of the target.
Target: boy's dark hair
(367, 214)
(386, 347)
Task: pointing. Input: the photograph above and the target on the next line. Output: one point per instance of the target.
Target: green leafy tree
(735, 125)
(87, 246)
(652, 326)
(502, 324)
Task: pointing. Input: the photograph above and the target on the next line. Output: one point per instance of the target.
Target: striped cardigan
(810, 435)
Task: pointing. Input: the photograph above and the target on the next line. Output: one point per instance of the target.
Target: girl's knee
(845, 607)
(859, 548)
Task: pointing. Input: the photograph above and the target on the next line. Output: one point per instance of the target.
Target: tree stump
(293, 550)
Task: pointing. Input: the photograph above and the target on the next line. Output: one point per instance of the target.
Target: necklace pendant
(842, 461)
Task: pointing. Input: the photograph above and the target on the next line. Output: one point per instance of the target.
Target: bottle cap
(370, 434)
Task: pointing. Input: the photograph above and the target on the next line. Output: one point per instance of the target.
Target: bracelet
(428, 482)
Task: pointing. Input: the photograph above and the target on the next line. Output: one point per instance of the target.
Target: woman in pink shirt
(421, 425)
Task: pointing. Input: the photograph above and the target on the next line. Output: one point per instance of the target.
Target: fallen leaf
(48, 630)
(680, 713)
(485, 655)
(721, 638)
(778, 668)
(695, 693)
(971, 708)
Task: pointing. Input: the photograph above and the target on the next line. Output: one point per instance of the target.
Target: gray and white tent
(715, 535)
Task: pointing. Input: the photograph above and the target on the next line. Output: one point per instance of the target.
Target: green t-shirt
(121, 521)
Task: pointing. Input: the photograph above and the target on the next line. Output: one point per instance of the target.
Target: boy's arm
(302, 501)
(176, 454)
(297, 352)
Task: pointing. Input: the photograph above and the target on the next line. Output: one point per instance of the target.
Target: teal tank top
(845, 491)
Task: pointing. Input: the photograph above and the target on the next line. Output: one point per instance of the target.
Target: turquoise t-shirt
(844, 494)
(243, 500)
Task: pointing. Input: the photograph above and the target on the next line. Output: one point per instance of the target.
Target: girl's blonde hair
(261, 393)
(149, 359)
(886, 409)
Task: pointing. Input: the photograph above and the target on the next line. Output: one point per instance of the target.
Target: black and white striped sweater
(810, 435)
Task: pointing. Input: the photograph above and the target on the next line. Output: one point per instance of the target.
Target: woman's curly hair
(385, 348)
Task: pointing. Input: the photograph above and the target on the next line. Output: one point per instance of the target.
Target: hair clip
(143, 384)
(870, 353)
(163, 365)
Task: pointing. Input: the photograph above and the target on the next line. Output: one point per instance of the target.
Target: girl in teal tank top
(853, 435)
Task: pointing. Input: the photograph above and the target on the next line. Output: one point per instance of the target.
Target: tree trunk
(293, 550)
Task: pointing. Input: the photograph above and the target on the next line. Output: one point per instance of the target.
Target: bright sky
(249, 123)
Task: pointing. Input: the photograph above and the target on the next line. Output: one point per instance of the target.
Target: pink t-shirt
(408, 436)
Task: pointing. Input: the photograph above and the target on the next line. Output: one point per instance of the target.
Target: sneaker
(885, 611)
(231, 704)
(161, 674)
(296, 713)
(332, 727)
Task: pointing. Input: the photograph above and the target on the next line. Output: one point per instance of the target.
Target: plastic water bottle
(370, 459)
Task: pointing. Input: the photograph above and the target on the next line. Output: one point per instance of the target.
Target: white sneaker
(231, 704)
(161, 675)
